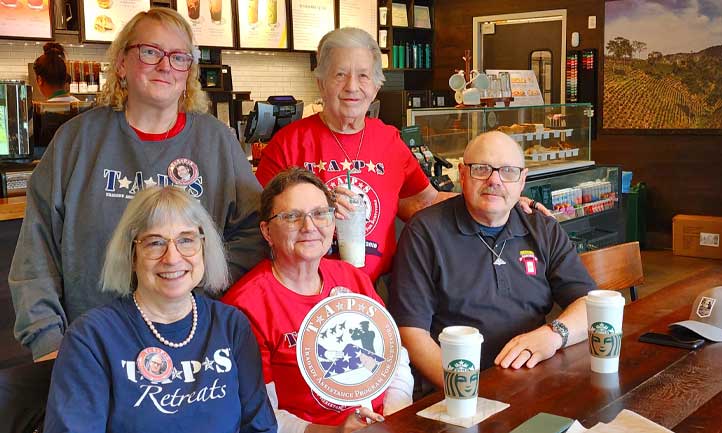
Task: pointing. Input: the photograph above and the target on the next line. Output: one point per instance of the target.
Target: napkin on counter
(625, 422)
(484, 409)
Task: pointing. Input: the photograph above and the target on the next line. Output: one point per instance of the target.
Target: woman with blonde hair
(151, 121)
(161, 358)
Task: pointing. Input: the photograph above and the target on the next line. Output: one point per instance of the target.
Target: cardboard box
(697, 236)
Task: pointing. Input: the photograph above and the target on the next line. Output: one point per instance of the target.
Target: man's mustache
(494, 191)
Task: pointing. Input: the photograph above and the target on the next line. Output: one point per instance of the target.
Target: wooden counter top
(12, 208)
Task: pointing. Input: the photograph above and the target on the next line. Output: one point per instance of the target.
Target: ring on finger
(358, 413)
(530, 352)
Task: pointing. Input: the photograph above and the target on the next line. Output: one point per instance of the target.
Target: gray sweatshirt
(92, 168)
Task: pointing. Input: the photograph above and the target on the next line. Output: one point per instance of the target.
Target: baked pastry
(103, 23)
(105, 4)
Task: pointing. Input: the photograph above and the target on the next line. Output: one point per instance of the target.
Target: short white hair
(153, 207)
(348, 37)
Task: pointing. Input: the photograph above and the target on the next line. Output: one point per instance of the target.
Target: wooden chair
(618, 267)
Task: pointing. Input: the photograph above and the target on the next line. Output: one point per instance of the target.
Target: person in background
(51, 74)
(479, 260)
(161, 358)
(297, 221)
(152, 118)
(341, 141)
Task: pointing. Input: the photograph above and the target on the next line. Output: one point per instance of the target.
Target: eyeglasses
(507, 173)
(321, 217)
(154, 247)
(152, 55)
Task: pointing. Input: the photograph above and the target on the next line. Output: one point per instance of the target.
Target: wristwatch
(560, 329)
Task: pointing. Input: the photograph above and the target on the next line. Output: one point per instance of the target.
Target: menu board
(211, 21)
(262, 23)
(103, 19)
(311, 20)
(25, 19)
(358, 13)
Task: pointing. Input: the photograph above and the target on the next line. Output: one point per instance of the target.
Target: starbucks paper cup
(461, 358)
(605, 311)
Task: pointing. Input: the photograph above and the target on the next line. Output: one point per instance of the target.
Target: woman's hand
(358, 419)
(528, 204)
(343, 205)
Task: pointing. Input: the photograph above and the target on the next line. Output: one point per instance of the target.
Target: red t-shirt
(384, 171)
(177, 127)
(276, 313)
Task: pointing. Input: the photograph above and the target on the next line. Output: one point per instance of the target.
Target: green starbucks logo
(461, 379)
(604, 341)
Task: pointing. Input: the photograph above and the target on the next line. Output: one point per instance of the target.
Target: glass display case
(554, 137)
(585, 201)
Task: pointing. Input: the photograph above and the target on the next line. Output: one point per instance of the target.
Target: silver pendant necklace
(499, 261)
(358, 150)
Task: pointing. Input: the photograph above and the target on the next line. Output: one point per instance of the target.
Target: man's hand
(359, 419)
(529, 349)
(528, 205)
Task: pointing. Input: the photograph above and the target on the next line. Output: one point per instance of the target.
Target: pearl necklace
(160, 337)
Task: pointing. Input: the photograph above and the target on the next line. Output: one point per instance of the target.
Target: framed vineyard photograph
(663, 66)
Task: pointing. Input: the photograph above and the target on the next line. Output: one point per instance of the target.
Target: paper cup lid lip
(456, 334)
(604, 296)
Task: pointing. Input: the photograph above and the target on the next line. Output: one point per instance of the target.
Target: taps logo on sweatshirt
(179, 387)
(118, 185)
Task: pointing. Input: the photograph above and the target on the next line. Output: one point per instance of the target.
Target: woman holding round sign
(161, 358)
(348, 346)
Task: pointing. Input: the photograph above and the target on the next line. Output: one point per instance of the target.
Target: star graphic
(176, 374)
(149, 182)
(346, 165)
(362, 307)
(371, 167)
(321, 165)
(319, 319)
(208, 364)
(124, 182)
(339, 306)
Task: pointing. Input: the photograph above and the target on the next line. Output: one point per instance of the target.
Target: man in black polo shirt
(479, 260)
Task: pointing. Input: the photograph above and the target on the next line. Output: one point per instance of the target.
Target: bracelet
(533, 204)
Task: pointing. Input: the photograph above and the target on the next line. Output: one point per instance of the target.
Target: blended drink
(252, 11)
(605, 310)
(351, 234)
(194, 9)
(272, 12)
(460, 359)
(216, 8)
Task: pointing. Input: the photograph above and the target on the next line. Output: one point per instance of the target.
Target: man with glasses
(479, 260)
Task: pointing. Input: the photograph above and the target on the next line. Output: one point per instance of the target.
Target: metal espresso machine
(16, 129)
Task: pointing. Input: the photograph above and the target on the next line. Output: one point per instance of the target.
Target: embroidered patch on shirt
(528, 260)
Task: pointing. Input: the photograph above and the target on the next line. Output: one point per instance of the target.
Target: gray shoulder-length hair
(154, 207)
(348, 37)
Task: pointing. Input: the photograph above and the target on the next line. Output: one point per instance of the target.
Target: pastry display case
(554, 138)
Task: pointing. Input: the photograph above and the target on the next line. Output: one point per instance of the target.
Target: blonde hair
(114, 95)
(152, 207)
(348, 37)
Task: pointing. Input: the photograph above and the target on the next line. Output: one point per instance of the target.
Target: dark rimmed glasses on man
(154, 247)
(152, 55)
(507, 173)
(321, 217)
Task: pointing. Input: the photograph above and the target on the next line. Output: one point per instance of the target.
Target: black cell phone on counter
(678, 337)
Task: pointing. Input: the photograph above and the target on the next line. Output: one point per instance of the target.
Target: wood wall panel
(683, 172)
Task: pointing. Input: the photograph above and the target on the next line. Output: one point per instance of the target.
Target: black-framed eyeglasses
(321, 217)
(507, 173)
(152, 55)
(154, 247)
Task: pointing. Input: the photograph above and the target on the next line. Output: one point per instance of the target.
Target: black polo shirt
(443, 274)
